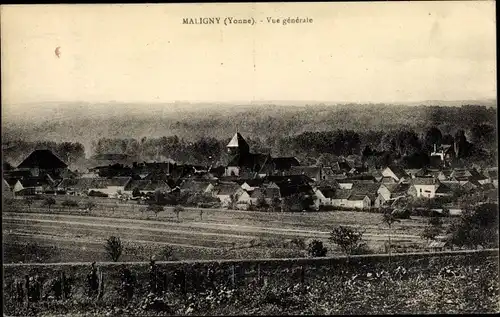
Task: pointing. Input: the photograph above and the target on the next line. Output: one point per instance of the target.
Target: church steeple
(238, 145)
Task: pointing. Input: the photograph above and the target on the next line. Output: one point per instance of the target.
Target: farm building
(43, 162)
(358, 201)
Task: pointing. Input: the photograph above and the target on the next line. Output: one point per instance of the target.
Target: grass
(191, 237)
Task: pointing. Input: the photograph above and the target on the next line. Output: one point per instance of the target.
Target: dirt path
(117, 223)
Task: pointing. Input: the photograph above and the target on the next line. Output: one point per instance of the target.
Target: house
(444, 175)
(443, 191)
(227, 192)
(196, 185)
(492, 175)
(396, 173)
(247, 198)
(271, 192)
(29, 186)
(423, 187)
(324, 195)
(109, 186)
(41, 162)
(340, 198)
(392, 191)
(358, 201)
(75, 186)
(345, 183)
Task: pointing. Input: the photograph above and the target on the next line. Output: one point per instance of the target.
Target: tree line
(376, 148)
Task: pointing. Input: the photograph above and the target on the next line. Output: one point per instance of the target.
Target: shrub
(166, 254)
(49, 202)
(114, 248)
(349, 240)
(69, 203)
(298, 242)
(93, 193)
(155, 208)
(402, 213)
(29, 201)
(89, 205)
(476, 227)
(316, 249)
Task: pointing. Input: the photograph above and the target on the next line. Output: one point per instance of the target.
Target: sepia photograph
(222, 159)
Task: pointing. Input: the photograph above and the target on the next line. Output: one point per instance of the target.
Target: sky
(351, 52)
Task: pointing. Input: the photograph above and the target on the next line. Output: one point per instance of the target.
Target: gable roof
(226, 188)
(194, 185)
(342, 194)
(43, 159)
(328, 192)
(148, 185)
(398, 171)
(256, 193)
(357, 197)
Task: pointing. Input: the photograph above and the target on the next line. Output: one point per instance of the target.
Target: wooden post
(185, 282)
(258, 272)
(101, 285)
(63, 286)
(232, 275)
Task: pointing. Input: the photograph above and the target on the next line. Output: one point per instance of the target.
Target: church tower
(238, 145)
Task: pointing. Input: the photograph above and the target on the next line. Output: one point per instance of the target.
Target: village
(254, 181)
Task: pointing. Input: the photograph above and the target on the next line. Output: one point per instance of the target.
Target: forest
(315, 135)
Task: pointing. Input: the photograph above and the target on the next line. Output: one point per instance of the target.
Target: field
(74, 235)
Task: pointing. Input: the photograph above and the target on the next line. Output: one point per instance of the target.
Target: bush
(166, 254)
(299, 243)
(69, 203)
(114, 248)
(316, 249)
(477, 226)
(49, 202)
(402, 213)
(349, 240)
(155, 208)
(94, 193)
(89, 205)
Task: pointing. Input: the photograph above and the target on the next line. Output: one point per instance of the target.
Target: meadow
(72, 235)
